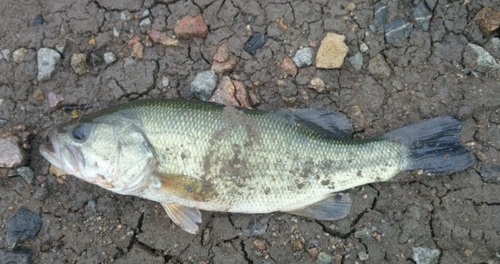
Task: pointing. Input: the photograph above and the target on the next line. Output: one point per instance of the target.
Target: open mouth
(64, 156)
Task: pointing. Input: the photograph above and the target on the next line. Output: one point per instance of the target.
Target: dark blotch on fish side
(23, 225)
(38, 20)
(255, 42)
(326, 182)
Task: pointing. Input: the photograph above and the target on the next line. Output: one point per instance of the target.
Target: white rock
(47, 59)
(109, 57)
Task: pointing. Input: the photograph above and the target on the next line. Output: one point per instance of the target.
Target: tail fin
(434, 145)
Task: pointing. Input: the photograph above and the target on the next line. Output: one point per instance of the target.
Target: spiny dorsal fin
(186, 218)
(336, 207)
(325, 122)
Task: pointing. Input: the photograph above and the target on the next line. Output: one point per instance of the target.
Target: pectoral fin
(336, 207)
(186, 218)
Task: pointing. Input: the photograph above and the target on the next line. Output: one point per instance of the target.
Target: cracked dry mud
(458, 214)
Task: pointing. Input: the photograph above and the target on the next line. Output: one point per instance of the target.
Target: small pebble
(137, 50)
(6, 54)
(313, 252)
(205, 237)
(41, 193)
(255, 42)
(288, 66)
(357, 61)
(379, 68)
(191, 27)
(38, 20)
(363, 47)
(48, 59)
(350, 7)
(19, 55)
(398, 215)
(323, 258)
(27, 173)
(109, 57)
(145, 22)
(317, 84)
(54, 99)
(165, 81)
(303, 57)
(422, 255)
(79, 63)
(362, 256)
(116, 33)
(204, 84)
(23, 225)
(298, 245)
(363, 233)
(12, 155)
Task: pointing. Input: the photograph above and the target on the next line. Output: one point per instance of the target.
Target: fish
(192, 155)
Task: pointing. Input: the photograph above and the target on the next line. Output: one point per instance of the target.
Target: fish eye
(80, 132)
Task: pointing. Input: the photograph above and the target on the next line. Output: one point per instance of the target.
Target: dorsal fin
(325, 122)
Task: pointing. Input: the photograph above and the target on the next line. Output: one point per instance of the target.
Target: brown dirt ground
(459, 214)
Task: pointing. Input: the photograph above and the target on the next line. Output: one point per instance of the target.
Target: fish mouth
(63, 156)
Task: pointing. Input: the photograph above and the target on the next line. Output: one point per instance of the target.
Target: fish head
(114, 155)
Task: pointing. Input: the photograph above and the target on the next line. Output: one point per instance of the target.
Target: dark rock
(422, 16)
(27, 173)
(396, 29)
(255, 42)
(256, 227)
(23, 225)
(380, 13)
(431, 4)
(38, 20)
(18, 256)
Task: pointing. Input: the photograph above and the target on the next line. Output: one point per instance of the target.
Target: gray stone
(23, 225)
(380, 13)
(145, 22)
(363, 256)
(18, 256)
(27, 173)
(422, 16)
(48, 59)
(378, 67)
(422, 255)
(363, 233)
(356, 61)
(323, 258)
(12, 155)
(204, 84)
(109, 57)
(303, 57)
(484, 61)
(396, 29)
(165, 81)
(431, 4)
(6, 54)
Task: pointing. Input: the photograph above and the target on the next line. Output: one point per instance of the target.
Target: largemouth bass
(191, 156)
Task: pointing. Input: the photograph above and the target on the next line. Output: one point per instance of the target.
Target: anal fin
(186, 218)
(336, 207)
